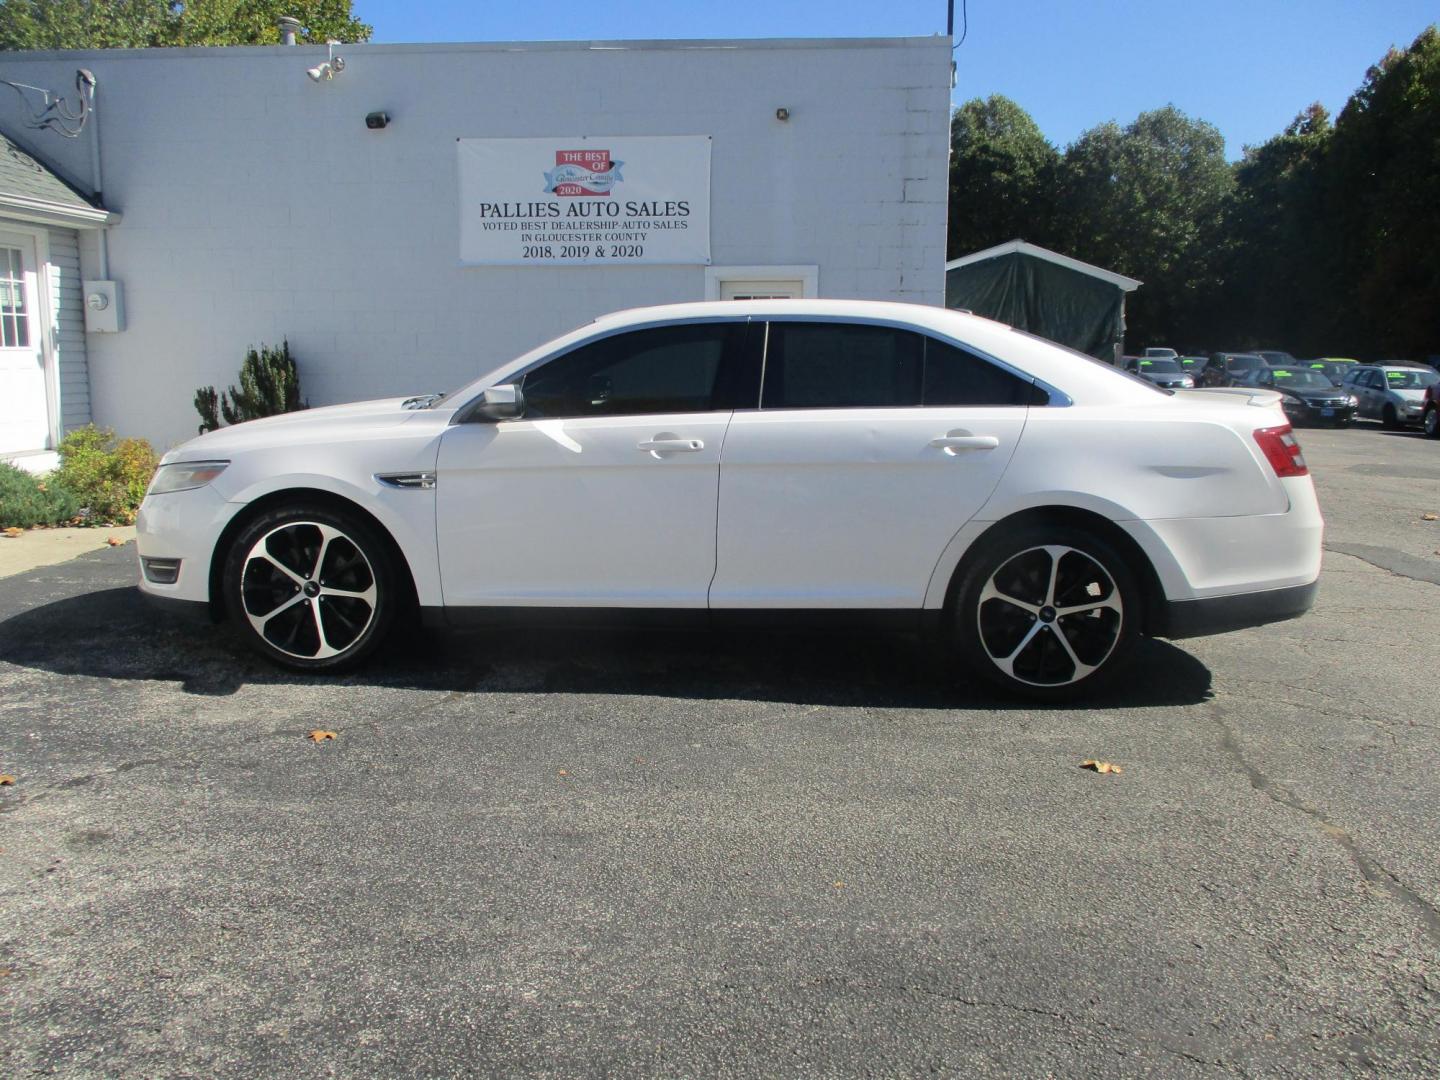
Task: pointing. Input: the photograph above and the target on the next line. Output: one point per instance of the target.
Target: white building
(245, 202)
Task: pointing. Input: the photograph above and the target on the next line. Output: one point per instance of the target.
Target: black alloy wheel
(1049, 612)
(310, 588)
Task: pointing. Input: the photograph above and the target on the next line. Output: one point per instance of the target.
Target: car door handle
(660, 445)
(951, 443)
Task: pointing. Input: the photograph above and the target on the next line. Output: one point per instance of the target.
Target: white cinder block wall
(256, 205)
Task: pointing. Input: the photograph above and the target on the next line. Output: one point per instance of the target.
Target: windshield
(1301, 377)
(1155, 366)
(1410, 379)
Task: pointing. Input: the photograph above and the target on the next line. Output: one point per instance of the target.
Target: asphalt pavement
(591, 855)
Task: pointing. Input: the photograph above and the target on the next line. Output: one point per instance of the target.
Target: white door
(24, 387)
(871, 449)
(603, 494)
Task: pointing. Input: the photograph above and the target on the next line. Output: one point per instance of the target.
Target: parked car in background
(1229, 368)
(1030, 509)
(1430, 411)
(1307, 396)
(1394, 394)
(1275, 357)
(1162, 371)
(1333, 368)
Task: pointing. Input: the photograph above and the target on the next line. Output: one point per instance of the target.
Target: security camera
(376, 120)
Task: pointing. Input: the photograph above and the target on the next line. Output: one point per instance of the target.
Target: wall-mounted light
(782, 113)
(330, 68)
(377, 120)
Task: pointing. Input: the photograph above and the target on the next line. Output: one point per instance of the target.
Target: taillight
(1281, 450)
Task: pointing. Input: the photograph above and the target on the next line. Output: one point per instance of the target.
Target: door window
(840, 365)
(14, 318)
(672, 369)
(850, 365)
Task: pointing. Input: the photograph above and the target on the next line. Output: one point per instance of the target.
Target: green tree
(1277, 268)
(1002, 176)
(122, 24)
(1382, 206)
(1148, 200)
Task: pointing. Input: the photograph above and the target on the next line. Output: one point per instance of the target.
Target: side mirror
(497, 403)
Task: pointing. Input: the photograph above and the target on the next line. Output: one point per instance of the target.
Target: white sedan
(1038, 509)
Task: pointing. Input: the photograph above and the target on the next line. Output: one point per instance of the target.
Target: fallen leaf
(320, 736)
(564, 772)
(1430, 517)
(114, 541)
(839, 884)
(6, 780)
(1101, 766)
(13, 532)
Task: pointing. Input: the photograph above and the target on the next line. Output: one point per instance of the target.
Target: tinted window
(956, 377)
(841, 365)
(667, 369)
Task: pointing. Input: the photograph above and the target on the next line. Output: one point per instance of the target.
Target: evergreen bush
(269, 386)
(27, 500)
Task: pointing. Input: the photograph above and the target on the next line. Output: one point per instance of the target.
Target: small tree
(269, 386)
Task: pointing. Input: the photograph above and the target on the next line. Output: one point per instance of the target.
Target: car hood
(1315, 393)
(327, 424)
(1416, 395)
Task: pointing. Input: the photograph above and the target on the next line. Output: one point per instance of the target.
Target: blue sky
(1247, 66)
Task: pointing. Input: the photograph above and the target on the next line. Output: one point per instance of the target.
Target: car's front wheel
(1390, 418)
(1050, 612)
(1432, 423)
(310, 587)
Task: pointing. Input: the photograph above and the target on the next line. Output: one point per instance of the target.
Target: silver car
(1391, 393)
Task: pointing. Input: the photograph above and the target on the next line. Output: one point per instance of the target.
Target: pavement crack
(1391, 561)
(1369, 868)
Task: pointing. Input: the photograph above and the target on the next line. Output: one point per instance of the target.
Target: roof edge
(655, 44)
(1024, 247)
(52, 213)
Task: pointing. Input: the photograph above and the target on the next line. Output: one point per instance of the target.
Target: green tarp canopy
(1044, 292)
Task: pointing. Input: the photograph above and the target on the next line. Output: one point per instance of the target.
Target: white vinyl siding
(67, 302)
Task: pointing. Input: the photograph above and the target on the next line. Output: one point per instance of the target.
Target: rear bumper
(1221, 614)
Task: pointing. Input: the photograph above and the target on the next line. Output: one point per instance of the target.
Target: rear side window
(850, 365)
(954, 376)
(671, 369)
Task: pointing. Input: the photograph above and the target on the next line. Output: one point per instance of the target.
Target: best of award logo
(583, 172)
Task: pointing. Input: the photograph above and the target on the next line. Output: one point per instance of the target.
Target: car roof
(1076, 374)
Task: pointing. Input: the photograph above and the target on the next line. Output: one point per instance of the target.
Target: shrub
(269, 386)
(27, 500)
(107, 477)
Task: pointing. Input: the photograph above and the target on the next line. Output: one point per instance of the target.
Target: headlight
(184, 475)
(1354, 401)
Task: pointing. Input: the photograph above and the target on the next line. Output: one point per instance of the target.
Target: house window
(14, 318)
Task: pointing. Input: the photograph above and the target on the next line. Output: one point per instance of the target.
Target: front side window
(853, 365)
(669, 369)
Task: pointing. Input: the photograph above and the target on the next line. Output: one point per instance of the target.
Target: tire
(1006, 626)
(311, 588)
(1431, 423)
(1390, 418)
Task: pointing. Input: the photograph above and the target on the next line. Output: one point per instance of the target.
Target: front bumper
(182, 525)
(1221, 614)
(1303, 412)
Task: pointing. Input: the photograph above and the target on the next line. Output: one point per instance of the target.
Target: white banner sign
(586, 201)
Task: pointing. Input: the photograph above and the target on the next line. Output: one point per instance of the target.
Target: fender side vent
(419, 481)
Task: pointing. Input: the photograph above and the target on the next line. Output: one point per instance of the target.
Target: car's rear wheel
(310, 587)
(1050, 612)
(1432, 423)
